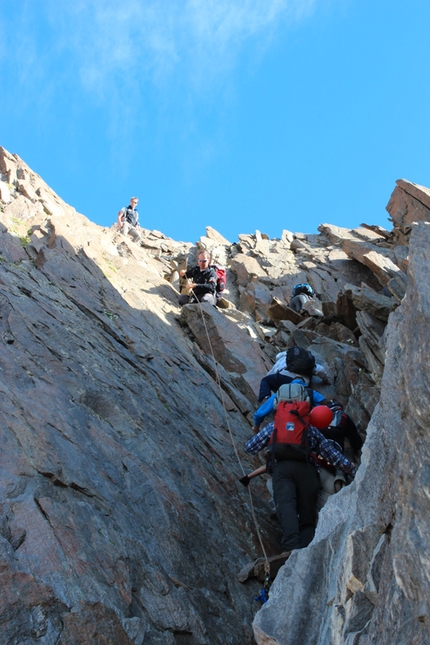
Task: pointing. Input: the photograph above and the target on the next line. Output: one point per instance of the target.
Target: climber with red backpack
(221, 275)
(291, 439)
(203, 281)
(267, 406)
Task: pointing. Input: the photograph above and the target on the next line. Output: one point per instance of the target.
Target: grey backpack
(290, 392)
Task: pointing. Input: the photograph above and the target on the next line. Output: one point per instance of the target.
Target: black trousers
(272, 383)
(295, 491)
(201, 297)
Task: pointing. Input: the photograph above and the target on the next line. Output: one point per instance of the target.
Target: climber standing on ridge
(128, 218)
(204, 280)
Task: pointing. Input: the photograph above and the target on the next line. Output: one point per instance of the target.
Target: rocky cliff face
(123, 421)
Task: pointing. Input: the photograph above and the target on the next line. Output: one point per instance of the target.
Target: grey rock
(212, 234)
(123, 422)
(381, 577)
(4, 192)
(409, 203)
(366, 299)
(278, 311)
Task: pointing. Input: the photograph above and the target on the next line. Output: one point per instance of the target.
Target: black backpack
(300, 361)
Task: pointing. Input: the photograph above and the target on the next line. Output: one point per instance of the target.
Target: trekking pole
(183, 280)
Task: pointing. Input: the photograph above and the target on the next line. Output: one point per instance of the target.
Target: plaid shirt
(316, 442)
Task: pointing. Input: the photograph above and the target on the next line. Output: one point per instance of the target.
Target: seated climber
(203, 281)
(128, 218)
(290, 364)
(302, 293)
(295, 478)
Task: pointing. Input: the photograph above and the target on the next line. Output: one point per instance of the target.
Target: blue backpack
(303, 288)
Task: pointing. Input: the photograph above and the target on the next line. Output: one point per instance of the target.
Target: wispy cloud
(151, 39)
(123, 53)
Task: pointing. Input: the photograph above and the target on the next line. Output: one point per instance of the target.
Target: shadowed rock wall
(120, 513)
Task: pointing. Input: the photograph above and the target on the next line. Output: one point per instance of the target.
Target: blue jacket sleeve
(318, 398)
(264, 409)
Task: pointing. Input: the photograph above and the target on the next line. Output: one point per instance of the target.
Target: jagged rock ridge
(121, 515)
(365, 577)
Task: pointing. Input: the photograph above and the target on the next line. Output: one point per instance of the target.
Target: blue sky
(238, 114)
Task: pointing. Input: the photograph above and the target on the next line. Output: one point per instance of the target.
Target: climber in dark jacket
(342, 427)
(302, 293)
(203, 285)
(280, 374)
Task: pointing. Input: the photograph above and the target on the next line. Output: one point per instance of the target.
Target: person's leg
(297, 303)
(125, 227)
(339, 480)
(284, 493)
(207, 297)
(134, 234)
(183, 300)
(272, 383)
(327, 488)
(308, 485)
(266, 387)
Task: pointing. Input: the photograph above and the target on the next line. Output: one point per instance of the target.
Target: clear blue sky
(239, 114)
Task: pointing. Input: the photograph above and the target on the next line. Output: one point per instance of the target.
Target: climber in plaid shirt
(317, 444)
(296, 484)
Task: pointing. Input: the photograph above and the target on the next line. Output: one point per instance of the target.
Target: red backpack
(292, 420)
(221, 274)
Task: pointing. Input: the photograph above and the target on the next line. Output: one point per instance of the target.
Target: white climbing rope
(218, 381)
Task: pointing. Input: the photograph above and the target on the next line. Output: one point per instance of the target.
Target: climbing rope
(264, 595)
(254, 517)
